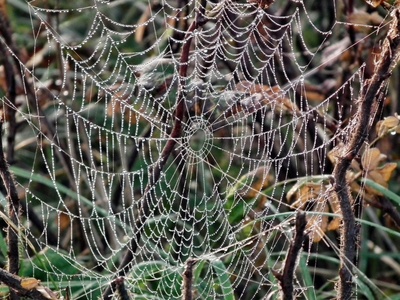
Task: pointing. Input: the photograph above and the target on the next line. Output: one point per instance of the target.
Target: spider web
(257, 102)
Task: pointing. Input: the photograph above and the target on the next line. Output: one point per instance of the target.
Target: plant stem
(372, 92)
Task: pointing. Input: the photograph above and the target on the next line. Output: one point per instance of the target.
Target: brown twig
(388, 208)
(188, 279)
(372, 91)
(155, 173)
(33, 290)
(286, 278)
(121, 289)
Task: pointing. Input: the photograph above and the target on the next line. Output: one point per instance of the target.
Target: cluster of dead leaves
(320, 198)
(373, 167)
(390, 124)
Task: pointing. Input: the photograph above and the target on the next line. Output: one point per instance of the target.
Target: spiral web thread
(252, 127)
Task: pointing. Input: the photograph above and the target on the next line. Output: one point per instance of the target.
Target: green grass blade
(223, 278)
(387, 193)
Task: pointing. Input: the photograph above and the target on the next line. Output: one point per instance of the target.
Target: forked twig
(373, 91)
(188, 279)
(286, 278)
(26, 287)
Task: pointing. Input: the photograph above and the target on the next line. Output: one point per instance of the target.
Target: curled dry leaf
(251, 184)
(264, 96)
(364, 21)
(371, 162)
(34, 284)
(371, 158)
(389, 124)
(47, 293)
(29, 283)
(319, 197)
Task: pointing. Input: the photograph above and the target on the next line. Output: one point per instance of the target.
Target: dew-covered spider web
(169, 144)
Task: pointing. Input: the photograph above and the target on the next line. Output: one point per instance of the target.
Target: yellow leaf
(29, 283)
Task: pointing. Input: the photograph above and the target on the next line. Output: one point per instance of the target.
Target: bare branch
(26, 287)
(286, 278)
(188, 279)
(372, 92)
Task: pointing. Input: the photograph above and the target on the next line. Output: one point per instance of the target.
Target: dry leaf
(319, 224)
(370, 161)
(388, 124)
(371, 158)
(263, 96)
(254, 182)
(387, 170)
(47, 293)
(306, 193)
(366, 19)
(29, 283)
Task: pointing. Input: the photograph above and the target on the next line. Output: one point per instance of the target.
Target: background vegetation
(91, 95)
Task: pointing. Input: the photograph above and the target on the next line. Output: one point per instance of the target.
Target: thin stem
(286, 278)
(188, 279)
(26, 287)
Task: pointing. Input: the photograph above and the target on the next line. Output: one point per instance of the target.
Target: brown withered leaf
(29, 283)
(264, 96)
(387, 125)
(64, 221)
(371, 162)
(254, 182)
(319, 224)
(323, 200)
(371, 158)
(364, 20)
(387, 171)
(304, 194)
